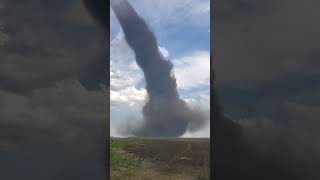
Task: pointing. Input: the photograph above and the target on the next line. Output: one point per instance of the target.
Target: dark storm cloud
(165, 113)
(52, 126)
(265, 51)
(58, 47)
(266, 61)
(268, 40)
(47, 48)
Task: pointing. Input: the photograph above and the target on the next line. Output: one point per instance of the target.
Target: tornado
(165, 114)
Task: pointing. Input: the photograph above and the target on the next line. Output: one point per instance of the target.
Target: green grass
(116, 144)
(116, 161)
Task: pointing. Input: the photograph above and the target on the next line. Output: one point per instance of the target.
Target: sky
(182, 29)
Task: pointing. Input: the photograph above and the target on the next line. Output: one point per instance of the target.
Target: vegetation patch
(123, 164)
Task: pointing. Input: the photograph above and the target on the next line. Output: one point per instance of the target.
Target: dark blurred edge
(100, 10)
(212, 97)
(30, 135)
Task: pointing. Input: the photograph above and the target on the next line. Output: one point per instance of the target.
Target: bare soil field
(159, 158)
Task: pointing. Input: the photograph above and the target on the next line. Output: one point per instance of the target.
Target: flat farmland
(160, 158)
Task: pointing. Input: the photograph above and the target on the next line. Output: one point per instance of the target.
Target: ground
(159, 158)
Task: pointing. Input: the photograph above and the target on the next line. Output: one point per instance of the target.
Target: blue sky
(182, 31)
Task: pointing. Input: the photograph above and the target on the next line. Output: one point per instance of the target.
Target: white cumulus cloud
(164, 51)
(193, 70)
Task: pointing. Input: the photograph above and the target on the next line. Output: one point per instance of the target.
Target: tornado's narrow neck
(143, 42)
(137, 33)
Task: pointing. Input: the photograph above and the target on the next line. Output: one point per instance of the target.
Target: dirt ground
(185, 159)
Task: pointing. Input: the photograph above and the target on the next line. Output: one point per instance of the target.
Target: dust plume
(165, 113)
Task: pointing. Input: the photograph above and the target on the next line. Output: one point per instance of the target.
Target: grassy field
(157, 158)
